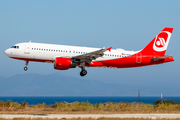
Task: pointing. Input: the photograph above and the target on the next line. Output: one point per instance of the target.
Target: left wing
(90, 56)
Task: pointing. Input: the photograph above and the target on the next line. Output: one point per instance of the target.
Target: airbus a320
(65, 57)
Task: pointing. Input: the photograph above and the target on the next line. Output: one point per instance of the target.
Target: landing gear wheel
(25, 68)
(83, 72)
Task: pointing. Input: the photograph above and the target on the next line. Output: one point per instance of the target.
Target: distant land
(61, 85)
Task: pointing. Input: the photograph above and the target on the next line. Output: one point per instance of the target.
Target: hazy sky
(126, 24)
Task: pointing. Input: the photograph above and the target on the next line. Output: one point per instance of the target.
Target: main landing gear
(83, 71)
(26, 68)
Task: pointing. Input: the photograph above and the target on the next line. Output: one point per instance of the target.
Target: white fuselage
(48, 52)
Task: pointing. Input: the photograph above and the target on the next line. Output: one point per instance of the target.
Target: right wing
(90, 56)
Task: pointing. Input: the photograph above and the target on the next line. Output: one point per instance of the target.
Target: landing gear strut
(26, 68)
(83, 71)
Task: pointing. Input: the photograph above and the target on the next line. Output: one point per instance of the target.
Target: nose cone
(8, 52)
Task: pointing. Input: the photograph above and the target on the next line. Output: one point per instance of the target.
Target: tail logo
(161, 41)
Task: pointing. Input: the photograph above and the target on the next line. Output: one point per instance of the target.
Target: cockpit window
(16, 47)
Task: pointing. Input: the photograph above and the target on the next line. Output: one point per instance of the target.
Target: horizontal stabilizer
(161, 58)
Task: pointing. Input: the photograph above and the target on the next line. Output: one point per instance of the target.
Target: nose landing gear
(26, 68)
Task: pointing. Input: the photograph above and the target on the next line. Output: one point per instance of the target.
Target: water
(92, 100)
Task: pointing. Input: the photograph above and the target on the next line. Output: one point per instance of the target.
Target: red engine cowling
(62, 63)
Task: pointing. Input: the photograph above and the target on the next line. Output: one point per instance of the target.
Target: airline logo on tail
(161, 41)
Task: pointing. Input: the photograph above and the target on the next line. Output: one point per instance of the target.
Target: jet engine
(63, 63)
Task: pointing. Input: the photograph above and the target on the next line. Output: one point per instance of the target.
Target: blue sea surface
(92, 100)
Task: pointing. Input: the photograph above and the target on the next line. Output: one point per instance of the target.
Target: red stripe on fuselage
(125, 62)
(34, 60)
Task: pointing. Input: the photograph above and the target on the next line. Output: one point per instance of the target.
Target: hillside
(56, 85)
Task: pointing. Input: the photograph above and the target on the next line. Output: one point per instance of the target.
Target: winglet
(109, 49)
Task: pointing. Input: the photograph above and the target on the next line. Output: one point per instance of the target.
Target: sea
(93, 99)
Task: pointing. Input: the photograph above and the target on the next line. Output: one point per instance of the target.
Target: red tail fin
(159, 44)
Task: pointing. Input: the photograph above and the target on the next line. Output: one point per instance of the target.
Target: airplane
(65, 57)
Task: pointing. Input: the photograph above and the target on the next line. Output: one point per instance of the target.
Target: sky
(125, 24)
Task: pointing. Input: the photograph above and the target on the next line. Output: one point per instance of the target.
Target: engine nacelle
(63, 63)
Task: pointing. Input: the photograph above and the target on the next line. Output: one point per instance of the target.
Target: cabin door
(27, 48)
(139, 58)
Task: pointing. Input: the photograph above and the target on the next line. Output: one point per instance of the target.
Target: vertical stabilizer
(160, 43)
